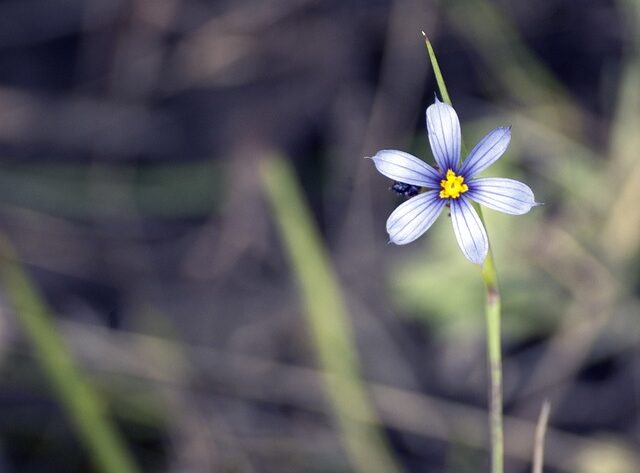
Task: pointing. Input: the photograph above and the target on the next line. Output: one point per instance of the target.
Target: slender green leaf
(328, 322)
(82, 404)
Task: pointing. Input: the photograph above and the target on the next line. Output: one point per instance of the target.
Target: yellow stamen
(452, 186)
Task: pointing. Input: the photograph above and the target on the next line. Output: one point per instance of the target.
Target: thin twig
(541, 430)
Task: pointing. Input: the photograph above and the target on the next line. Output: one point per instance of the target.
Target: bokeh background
(195, 275)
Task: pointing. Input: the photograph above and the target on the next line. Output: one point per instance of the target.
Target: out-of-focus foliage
(131, 137)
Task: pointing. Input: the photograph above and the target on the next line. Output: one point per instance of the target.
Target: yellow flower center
(452, 186)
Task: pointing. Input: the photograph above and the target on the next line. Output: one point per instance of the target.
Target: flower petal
(403, 167)
(505, 195)
(486, 152)
(469, 230)
(414, 217)
(444, 135)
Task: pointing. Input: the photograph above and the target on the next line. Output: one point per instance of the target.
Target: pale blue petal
(469, 230)
(403, 167)
(504, 195)
(414, 217)
(486, 152)
(444, 135)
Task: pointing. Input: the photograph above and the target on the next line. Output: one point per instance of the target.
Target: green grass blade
(86, 412)
(328, 322)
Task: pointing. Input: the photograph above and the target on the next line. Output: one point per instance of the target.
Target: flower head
(452, 183)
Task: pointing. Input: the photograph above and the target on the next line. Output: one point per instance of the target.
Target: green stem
(492, 313)
(494, 355)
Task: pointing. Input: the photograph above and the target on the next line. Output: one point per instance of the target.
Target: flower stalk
(494, 356)
(492, 314)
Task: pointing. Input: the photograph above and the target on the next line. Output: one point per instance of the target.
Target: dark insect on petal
(407, 190)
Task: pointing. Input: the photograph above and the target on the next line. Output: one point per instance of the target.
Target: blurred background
(195, 275)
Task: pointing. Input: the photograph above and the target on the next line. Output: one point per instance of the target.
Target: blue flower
(452, 184)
